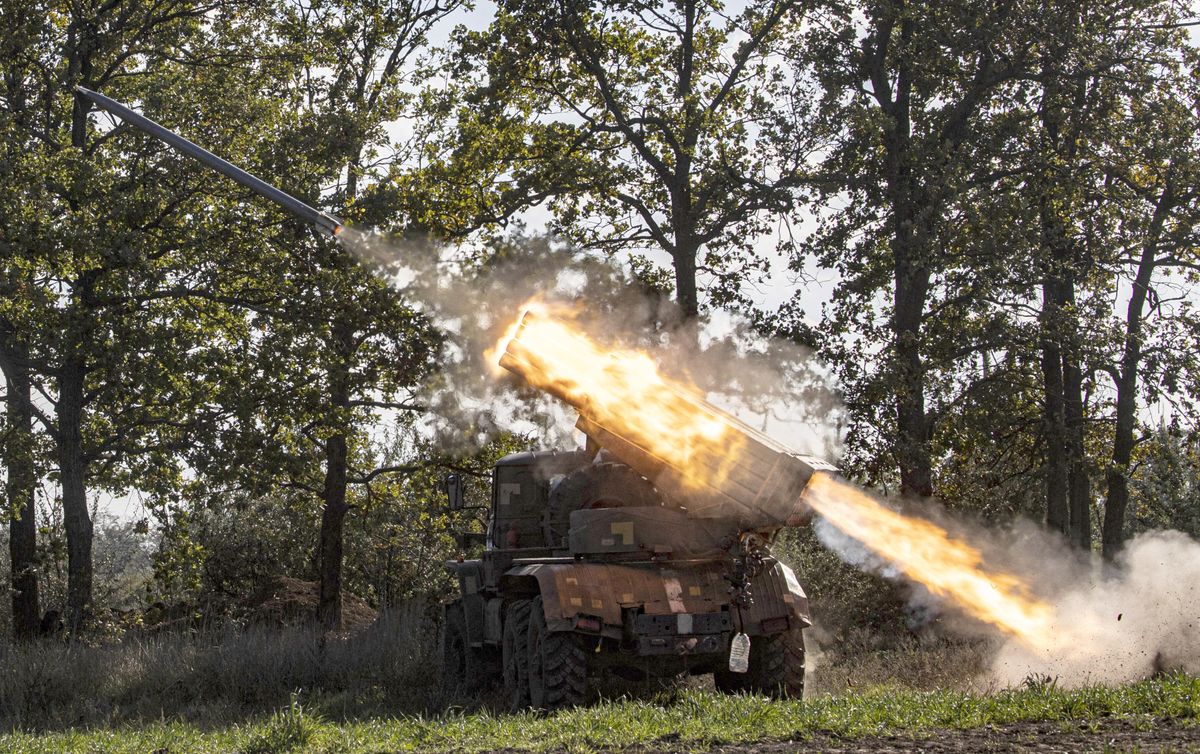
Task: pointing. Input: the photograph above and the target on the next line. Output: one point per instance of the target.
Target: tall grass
(215, 677)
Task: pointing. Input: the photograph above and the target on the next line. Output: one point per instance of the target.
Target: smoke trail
(950, 567)
(770, 384)
(1054, 612)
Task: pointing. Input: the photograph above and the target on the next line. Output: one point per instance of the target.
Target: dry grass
(214, 678)
(908, 662)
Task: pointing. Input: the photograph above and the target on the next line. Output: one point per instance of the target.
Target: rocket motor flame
(925, 553)
(625, 389)
(614, 386)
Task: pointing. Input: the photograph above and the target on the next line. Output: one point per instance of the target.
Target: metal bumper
(682, 633)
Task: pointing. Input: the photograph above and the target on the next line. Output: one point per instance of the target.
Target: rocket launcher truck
(616, 558)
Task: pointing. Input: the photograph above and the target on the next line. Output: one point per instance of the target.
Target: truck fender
(796, 598)
(539, 578)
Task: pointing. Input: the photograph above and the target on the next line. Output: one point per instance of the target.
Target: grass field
(685, 719)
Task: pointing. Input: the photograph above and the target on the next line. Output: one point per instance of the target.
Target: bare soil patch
(1023, 738)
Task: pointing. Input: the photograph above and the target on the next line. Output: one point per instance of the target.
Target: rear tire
(457, 668)
(515, 658)
(776, 668)
(557, 665)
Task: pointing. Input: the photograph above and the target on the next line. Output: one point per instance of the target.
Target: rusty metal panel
(645, 531)
(776, 595)
(602, 590)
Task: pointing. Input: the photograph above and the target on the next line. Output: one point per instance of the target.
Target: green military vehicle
(589, 568)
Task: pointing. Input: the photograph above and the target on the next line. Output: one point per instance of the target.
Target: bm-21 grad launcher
(613, 559)
(626, 557)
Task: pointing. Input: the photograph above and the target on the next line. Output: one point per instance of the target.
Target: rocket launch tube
(324, 221)
(761, 484)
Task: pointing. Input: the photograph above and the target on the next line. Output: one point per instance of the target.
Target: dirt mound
(284, 601)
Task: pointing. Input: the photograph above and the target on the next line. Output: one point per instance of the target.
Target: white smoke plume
(1110, 623)
(770, 384)
(1122, 623)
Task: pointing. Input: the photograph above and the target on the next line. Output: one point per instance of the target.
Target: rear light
(775, 625)
(585, 623)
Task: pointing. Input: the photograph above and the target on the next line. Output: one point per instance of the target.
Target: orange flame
(927, 554)
(625, 390)
(618, 387)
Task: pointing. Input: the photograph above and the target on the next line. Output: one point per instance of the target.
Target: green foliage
(941, 186)
(123, 562)
(1165, 489)
(643, 126)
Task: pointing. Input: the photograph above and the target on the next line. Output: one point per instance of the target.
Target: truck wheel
(793, 664)
(776, 668)
(456, 654)
(558, 664)
(515, 659)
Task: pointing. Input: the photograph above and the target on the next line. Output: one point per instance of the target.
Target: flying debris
(325, 222)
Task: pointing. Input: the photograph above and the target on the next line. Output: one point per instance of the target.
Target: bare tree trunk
(911, 280)
(1079, 486)
(1053, 415)
(912, 422)
(20, 495)
(333, 519)
(1116, 499)
(1067, 503)
(72, 465)
(333, 514)
(1068, 487)
(686, 294)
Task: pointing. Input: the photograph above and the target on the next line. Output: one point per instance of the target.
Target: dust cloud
(1119, 623)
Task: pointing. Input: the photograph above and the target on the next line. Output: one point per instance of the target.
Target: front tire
(515, 658)
(557, 664)
(776, 668)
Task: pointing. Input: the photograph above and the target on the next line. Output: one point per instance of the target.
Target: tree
(1165, 483)
(21, 487)
(372, 345)
(1098, 66)
(647, 126)
(906, 90)
(98, 247)
(1154, 175)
